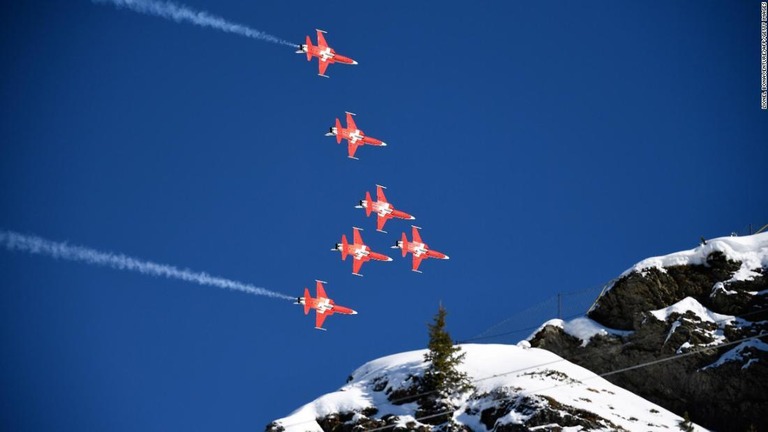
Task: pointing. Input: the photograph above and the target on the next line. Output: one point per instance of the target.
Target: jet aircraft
(325, 54)
(418, 248)
(359, 251)
(383, 209)
(323, 305)
(354, 136)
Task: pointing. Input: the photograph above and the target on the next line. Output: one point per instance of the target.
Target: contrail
(180, 13)
(36, 245)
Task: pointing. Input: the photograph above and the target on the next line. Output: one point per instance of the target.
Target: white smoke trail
(36, 245)
(180, 13)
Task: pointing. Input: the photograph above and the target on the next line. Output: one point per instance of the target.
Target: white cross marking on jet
(356, 136)
(326, 54)
(384, 209)
(324, 305)
(361, 252)
(419, 249)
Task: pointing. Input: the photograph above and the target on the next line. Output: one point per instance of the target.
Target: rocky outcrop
(693, 359)
(656, 288)
(539, 412)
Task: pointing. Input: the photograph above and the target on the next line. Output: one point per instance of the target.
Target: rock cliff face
(698, 313)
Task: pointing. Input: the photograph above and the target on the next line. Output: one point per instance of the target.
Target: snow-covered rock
(582, 328)
(516, 388)
(750, 251)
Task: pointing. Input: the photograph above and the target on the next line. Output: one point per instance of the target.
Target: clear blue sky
(544, 146)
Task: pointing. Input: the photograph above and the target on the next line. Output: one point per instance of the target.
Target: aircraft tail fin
(309, 49)
(344, 245)
(306, 300)
(338, 131)
(369, 207)
(405, 245)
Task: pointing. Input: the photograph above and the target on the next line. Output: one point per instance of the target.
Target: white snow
(691, 304)
(581, 328)
(508, 369)
(674, 327)
(751, 251)
(720, 287)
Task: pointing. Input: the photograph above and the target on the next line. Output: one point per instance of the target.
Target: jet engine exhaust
(39, 246)
(180, 13)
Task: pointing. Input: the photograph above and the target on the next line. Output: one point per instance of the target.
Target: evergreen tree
(441, 379)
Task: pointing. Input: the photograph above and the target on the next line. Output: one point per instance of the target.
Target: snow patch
(674, 327)
(720, 287)
(690, 304)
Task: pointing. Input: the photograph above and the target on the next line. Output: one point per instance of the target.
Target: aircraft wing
(380, 221)
(356, 264)
(319, 318)
(322, 65)
(321, 291)
(321, 39)
(352, 148)
(351, 122)
(416, 236)
(416, 262)
(380, 194)
(358, 237)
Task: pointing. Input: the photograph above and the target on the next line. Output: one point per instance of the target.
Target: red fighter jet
(382, 208)
(322, 305)
(418, 248)
(325, 54)
(359, 251)
(354, 136)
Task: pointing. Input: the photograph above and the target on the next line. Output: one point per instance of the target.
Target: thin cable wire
(545, 304)
(513, 331)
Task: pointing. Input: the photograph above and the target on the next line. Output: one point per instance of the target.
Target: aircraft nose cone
(383, 144)
(354, 312)
(413, 217)
(447, 257)
(354, 62)
(389, 259)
